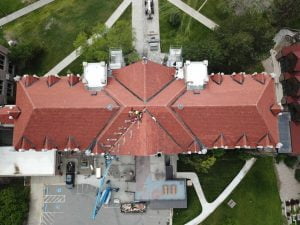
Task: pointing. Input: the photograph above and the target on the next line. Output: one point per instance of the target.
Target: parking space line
(48, 218)
(54, 199)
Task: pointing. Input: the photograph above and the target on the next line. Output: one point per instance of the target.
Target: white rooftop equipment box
(95, 75)
(196, 74)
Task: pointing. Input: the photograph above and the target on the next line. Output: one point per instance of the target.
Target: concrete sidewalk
(28, 9)
(138, 26)
(208, 208)
(76, 53)
(195, 14)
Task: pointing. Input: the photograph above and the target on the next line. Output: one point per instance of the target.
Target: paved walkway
(138, 26)
(76, 53)
(24, 11)
(144, 29)
(288, 186)
(195, 14)
(208, 208)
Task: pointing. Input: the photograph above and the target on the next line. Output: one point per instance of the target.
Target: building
(289, 58)
(228, 111)
(6, 77)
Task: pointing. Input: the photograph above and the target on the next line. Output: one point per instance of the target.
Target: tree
(245, 39)
(209, 49)
(290, 161)
(285, 13)
(239, 43)
(24, 54)
(175, 19)
(14, 204)
(201, 164)
(119, 36)
(2, 39)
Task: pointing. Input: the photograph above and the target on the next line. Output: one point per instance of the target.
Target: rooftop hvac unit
(196, 74)
(175, 57)
(116, 59)
(95, 75)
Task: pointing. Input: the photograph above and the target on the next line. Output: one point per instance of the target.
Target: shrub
(280, 157)
(175, 19)
(290, 161)
(218, 153)
(14, 204)
(243, 155)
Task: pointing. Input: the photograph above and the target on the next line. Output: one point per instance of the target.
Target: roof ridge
(162, 127)
(144, 77)
(134, 94)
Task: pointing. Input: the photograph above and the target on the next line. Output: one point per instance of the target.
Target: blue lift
(102, 196)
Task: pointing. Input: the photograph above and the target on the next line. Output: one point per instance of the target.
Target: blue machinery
(103, 196)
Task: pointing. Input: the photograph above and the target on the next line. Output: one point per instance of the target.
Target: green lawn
(181, 216)
(189, 29)
(9, 6)
(219, 175)
(56, 26)
(257, 199)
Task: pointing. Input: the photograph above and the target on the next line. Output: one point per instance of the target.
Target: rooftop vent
(196, 74)
(116, 59)
(95, 75)
(175, 57)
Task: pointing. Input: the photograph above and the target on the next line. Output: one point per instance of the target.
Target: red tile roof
(145, 79)
(226, 113)
(8, 114)
(230, 110)
(59, 112)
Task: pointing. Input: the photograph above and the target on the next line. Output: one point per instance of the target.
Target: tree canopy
(14, 204)
(286, 13)
(201, 164)
(119, 36)
(240, 42)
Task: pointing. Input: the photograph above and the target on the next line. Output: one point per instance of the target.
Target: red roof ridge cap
(71, 144)
(242, 142)
(49, 144)
(259, 77)
(238, 77)
(29, 79)
(73, 79)
(26, 144)
(217, 78)
(52, 79)
(221, 140)
(265, 141)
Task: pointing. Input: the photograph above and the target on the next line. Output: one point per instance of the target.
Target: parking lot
(62, 206)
